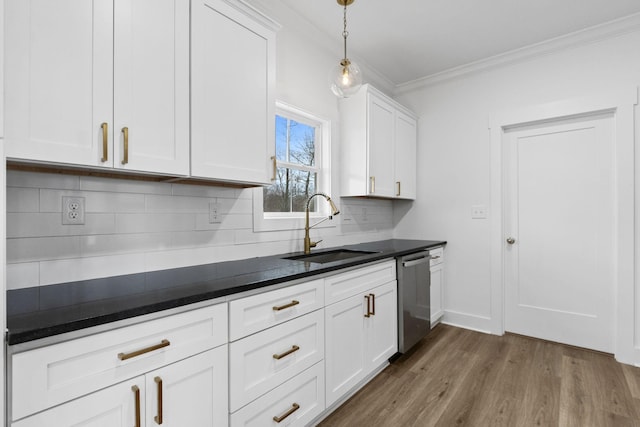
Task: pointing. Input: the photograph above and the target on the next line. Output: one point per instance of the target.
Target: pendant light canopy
(345, 78)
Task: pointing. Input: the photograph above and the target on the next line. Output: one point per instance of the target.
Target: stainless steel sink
(329, 256)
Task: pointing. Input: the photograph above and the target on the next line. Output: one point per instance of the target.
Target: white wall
(134, 226)
(454, 153)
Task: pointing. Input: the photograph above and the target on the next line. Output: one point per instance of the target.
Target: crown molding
(589, 35)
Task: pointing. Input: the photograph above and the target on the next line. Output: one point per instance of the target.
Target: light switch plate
(479, 212)
(214, 213)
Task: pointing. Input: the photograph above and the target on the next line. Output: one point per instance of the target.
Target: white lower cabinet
(437, 285)
(288, 357)
(295, 403)
(88, 381)
(260, 362)
(191, 392)
(361, 335)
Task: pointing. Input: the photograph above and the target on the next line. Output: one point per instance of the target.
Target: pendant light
(345, 78)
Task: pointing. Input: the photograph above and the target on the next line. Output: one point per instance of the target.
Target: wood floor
(457, 377)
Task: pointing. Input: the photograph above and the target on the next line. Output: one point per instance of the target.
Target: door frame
(622, 104)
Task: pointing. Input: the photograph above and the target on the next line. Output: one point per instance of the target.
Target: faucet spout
(308, 244)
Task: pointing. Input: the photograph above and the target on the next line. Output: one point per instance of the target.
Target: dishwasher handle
(417, 261)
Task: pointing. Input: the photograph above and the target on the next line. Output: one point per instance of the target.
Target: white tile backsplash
(135, 226)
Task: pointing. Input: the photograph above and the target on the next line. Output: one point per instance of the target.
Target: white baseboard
(467, 321)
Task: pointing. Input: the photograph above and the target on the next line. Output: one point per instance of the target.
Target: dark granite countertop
(39, 312)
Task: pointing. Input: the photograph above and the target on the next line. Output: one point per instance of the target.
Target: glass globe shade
(345, 79)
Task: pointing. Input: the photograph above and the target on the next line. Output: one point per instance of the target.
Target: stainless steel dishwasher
(414, 289)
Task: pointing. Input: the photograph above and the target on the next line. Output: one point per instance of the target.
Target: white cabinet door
(232, 94)
(437, 279)
(58, 79)
(151, 85)
(381, 147)
(192, 392)
(382, 325)
(345, 345)
(405, 156)
(114, 406)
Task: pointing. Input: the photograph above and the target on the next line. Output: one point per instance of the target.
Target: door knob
(511, 240)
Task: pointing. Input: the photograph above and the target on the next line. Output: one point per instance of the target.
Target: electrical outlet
(72, 210)
(214, 213)
(479, 212)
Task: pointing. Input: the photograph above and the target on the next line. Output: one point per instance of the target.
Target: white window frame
(273, 221)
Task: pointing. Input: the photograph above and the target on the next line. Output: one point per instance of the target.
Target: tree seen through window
(296, 170)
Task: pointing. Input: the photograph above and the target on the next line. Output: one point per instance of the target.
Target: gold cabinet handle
(367, 297)
(372, 184)
(286, 353)
(105, 142)
(291, 410)
(125, 356)
(398, 185)
(158, 418)
(273, 174)
(373, 304)
(282, 307)
(125, 158)
(136, 393)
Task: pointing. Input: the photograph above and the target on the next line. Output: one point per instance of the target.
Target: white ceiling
(405, 40)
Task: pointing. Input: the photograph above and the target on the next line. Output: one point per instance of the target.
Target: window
(301, 153)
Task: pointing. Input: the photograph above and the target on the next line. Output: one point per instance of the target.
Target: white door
(113, 406)
(232, 94)
(192, 392)
(405, 156)
(58, 80)
(559, 225)
(382, 327)
(345, 345)
(381, 116)
(151, 85)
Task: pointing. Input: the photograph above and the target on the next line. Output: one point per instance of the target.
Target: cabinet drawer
(255, 313)
(437, 256)
(351, 283)
(258, 363)
(54, 374)
(303, 394)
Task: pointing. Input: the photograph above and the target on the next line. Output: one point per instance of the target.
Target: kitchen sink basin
(329, 256)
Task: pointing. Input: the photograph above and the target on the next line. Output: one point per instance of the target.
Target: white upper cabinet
(80, 73)
(151, 97)
(378, 141)
(232, 93)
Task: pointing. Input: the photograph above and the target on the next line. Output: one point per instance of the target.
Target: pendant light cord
(345, 33)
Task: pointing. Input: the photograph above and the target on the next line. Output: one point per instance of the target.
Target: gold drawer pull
(105, 142)
(282, 307)
(125, 356)
(373, 304)
(372, 184)
(368, 298)
(293, 409)
(158, 418)
(136, 393)
(398, 192)
(125, 158)
(286, 353)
